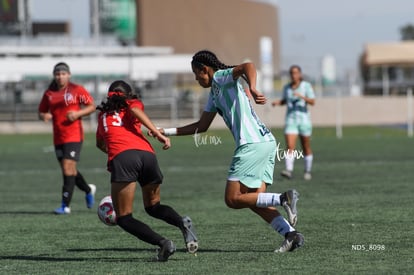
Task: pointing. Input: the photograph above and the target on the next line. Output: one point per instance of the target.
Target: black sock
(139, 229)
(67, 190)
(165, 213)
(81, 183)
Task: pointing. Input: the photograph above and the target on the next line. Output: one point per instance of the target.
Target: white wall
(355, 111)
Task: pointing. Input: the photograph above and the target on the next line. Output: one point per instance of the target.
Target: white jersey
(228, 98)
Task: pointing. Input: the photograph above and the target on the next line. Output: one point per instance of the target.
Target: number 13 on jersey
(115, 120)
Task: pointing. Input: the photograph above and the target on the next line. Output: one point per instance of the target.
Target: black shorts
(70, 150)
(135, 165)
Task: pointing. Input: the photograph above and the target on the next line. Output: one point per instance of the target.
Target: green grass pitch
(356, 214)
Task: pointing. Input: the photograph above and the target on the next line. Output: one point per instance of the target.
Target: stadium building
(388, 68)
(151, 47)
(232, 28)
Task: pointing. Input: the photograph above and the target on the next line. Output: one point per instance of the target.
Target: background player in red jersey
(65, 103)
(131, 158)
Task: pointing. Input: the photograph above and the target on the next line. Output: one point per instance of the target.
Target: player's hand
(296, 94)
(258, 97)
(151, 134)
(72, 116)
(276, 103)
(47, 117)
(166, 141)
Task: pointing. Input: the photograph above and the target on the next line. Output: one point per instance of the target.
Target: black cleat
(165, 251)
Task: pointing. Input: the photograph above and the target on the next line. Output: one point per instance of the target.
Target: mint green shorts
(253, 164)
(295, 128)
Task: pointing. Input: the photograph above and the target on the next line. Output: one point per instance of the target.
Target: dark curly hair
(207, 58)
(118, 94)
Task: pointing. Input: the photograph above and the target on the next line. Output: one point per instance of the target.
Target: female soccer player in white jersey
(297, 95)
(252, 166)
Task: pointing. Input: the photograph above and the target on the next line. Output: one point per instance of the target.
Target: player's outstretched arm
(197, 127)
(200, 126)
(145, 120)
(278, 102)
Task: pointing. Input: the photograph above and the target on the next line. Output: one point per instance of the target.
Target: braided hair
(207, 58)
(118, 94)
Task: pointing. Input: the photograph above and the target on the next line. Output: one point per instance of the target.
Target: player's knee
(231, 202)
(124, 221)
(153, 209)
(68, 172)
(69, 169)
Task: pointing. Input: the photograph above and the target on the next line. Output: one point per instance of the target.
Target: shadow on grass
(151, 250)
(110, 249)
(79, 259)
(25, 213)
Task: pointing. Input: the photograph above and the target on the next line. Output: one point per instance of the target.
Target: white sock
(308, 163)
(268, 199)
(281, 225)
(289, 161)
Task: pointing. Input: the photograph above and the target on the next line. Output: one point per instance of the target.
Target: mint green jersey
(228, 98)
(297, 109)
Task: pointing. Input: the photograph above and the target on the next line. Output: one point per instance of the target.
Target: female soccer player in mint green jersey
(253, 162)
(297, 95)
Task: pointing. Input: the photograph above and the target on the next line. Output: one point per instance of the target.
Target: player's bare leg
(239, 196)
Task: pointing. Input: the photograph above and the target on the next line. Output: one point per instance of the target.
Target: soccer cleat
(288, 200)
(190, 236)
(90, 197)
(307, 176)
(292, 241)
(62, 210)
(165, 251)
(286, 174)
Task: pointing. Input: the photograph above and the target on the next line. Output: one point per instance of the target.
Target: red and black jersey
(121, 131)
(59, 103)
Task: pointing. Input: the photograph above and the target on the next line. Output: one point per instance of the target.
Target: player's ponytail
(53, 86)
(207, 58)
(118, 94)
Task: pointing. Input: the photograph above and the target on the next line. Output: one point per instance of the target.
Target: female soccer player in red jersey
(131, 158)
(65, 103)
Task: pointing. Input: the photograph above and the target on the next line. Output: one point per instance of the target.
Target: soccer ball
(106, 211)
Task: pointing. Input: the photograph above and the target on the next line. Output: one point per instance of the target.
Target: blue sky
(309, 29)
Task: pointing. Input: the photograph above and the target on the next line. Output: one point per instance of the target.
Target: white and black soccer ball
(106, 211)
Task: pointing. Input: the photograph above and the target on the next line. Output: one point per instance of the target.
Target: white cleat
(286, 174)
(288, 200)
(293, 240)
(307, 176)
(189, 235)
